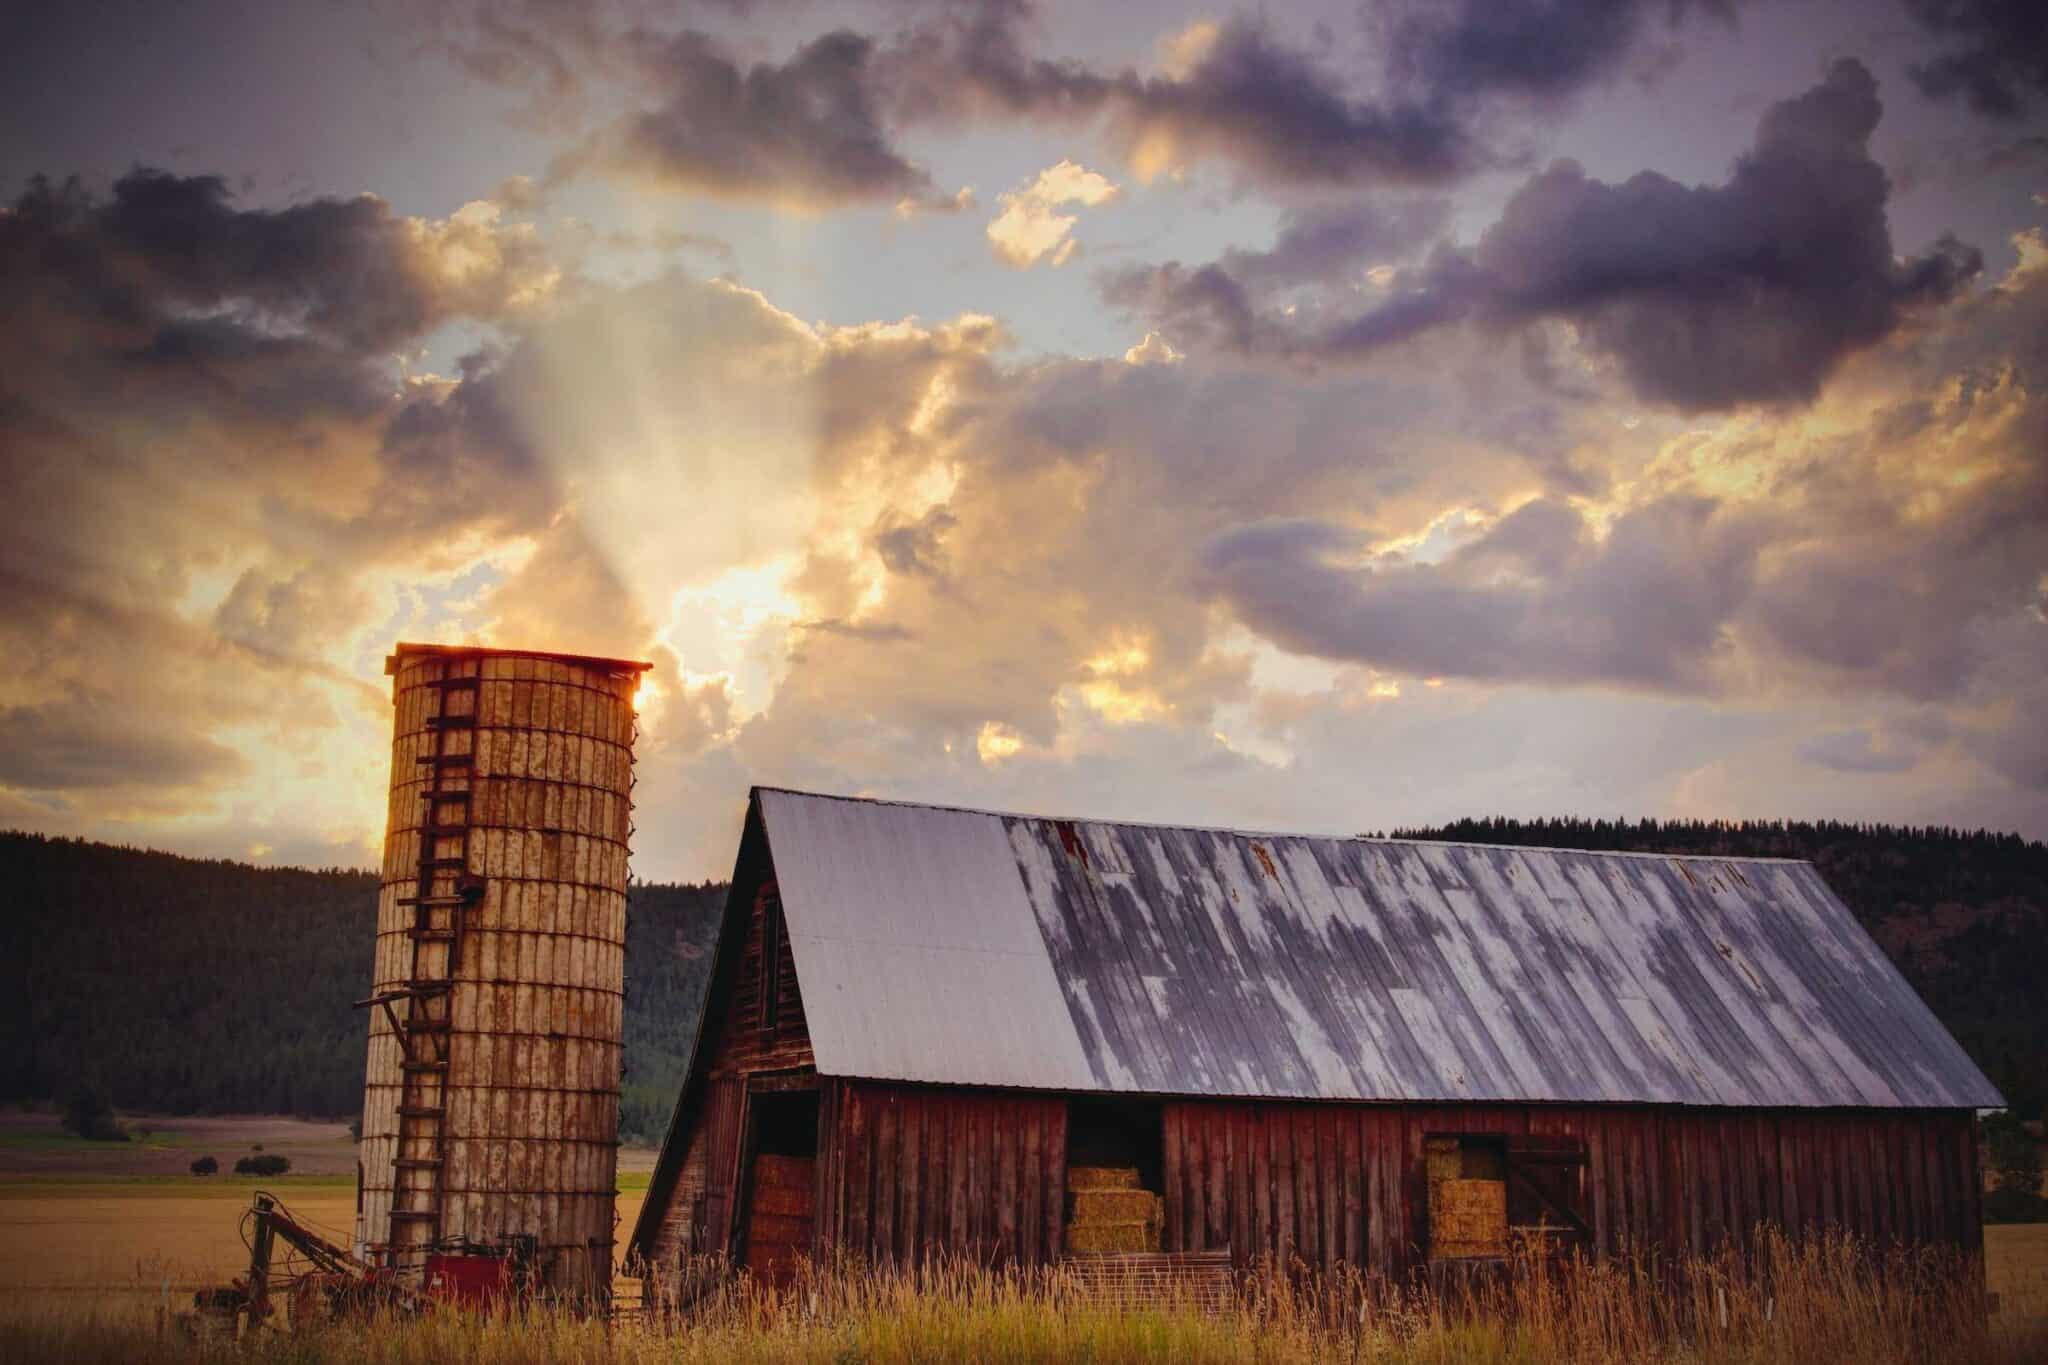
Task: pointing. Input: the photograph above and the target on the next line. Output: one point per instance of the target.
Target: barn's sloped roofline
(949, 946)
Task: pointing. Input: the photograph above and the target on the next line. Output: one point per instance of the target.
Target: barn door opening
(781, 1183)
(1115, 1164)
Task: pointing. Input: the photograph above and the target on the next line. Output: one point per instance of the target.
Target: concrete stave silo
(491, 1091)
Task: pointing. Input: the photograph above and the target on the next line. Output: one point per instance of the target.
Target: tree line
(183, 985)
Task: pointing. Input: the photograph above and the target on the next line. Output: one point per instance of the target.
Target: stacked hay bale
(1108, 1210)
(1468, 1200)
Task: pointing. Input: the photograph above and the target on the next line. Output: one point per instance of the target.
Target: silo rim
(405, 649)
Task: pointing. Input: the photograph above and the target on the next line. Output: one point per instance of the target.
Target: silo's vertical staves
(491, 1098)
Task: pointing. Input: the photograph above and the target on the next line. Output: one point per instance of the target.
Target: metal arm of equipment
(272, 1222)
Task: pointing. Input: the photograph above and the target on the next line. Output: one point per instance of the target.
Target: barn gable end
(752, 1026)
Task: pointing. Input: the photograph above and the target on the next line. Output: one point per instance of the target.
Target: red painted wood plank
(1308, 1214)
(1264, 1238)
(986, 1119)
(859, 1170)
(1242, 1246)
(1330, 1197)
(1378, 1135)
(1914, 1185)
(1863, 1137)
(1352, 1141)
(888, 1171)
(1936, 1230)
(910, 1178)
(1031, 1182)
(1284, 1185)
(1973, 1197)
(1006, 1184)
(1173, 1126)
(1056, 1179)
(1217, 1147)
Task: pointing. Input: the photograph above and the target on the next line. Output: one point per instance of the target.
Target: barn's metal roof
(972, 948)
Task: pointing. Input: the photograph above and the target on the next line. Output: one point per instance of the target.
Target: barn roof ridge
(1242, 833)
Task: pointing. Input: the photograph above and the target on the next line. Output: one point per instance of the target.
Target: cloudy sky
(1321, 418)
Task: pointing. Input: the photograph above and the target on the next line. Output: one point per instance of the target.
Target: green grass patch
(57, 1140)
(165, 1186)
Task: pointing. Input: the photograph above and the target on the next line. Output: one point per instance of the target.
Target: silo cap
(404, 649)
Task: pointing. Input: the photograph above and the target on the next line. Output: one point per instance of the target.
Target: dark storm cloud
(256, 347)
(820, 129)
(1543, 49)
(1704, 296)
(1278, 114)
(166, 254)
(1995, 53)
(1856, 751)
(1322, 241)
(84, 743)
(196, 393)
(1273, 111)
(914, 547)
(1276, 111)
(1228, 302)
(1539, 597)
(1883, 547)
(806, 133)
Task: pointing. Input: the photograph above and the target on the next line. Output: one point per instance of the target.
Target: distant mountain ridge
(189, 985)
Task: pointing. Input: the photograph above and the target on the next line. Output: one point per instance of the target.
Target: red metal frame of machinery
(338, 1283)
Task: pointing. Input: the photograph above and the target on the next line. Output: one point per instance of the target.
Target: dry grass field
(1816, 1305)
(155, 1240)
(82, 1222)
(86, 1260)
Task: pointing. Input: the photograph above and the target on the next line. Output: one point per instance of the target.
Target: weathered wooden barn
(1357, 1051)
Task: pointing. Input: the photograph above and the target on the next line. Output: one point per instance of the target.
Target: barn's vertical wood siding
(739, 1047)
(907, 1171)
(1344, 1184)
(743, 1045)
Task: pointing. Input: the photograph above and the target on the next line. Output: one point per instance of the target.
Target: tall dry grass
(1818, 1302)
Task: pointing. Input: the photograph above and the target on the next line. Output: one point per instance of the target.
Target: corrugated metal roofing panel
(917, 955)
(970, 948)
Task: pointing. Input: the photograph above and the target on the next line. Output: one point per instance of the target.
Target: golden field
(148, 1240)
(87, 1260)
(85, 1264)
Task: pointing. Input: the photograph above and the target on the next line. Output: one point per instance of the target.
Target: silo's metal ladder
(445, 890)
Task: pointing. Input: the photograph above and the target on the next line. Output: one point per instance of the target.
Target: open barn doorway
(782, 1182)
(1115, 1170)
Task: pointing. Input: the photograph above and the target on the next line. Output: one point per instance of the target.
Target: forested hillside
(1963, 913)
(194, 986)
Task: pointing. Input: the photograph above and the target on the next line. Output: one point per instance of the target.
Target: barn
(935, 1031)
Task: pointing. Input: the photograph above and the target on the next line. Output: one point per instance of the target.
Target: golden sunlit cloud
(734, 628)
(1181, 51)
(1153, 350)
(996, 742)
(1030, 228)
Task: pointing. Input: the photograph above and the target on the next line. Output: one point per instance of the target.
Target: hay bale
(1108, 1210)
(1142, 1235)
(1469, 1218)
(1114, 1206)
